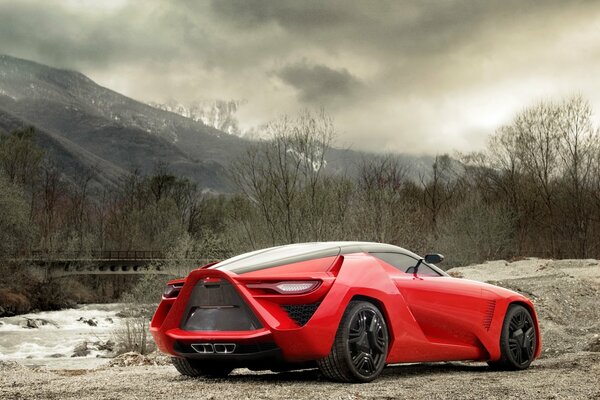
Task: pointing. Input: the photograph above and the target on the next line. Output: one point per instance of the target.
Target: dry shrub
(134, 336)
(14, 302)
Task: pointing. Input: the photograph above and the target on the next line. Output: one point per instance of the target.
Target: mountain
(218, 114)
(96, 130)
(93, 131)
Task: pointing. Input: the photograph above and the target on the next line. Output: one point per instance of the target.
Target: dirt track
(566, 294)
(572, 376)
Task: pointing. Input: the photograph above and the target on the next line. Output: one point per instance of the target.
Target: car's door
(447, 309)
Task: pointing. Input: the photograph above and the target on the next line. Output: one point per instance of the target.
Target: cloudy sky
(411, 76)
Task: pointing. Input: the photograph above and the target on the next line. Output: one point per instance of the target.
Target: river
(53, 342)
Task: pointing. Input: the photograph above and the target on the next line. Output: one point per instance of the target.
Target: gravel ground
(570, 376)
(567, 298)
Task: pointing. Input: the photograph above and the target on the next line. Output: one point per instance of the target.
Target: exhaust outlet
(224, 348)
(219, 348)
(203, 348)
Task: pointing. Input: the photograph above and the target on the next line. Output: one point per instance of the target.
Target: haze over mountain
(91, 130)
(219, 114)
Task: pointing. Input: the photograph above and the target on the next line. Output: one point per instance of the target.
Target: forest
(534, 191)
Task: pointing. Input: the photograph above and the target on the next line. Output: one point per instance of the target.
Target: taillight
(172, 290)
(287, 287)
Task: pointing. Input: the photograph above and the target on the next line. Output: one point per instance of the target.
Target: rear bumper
(278, 339)
(244, 354)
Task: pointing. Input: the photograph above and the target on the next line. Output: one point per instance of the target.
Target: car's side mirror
(434, 258)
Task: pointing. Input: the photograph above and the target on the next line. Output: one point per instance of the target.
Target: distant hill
(89, 129)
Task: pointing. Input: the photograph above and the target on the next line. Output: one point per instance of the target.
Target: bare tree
(285, 180)
(578, 147)
(536, 130)
(439, 188)
(380, 207)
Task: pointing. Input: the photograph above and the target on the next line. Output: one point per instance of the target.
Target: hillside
(93, 129)
(88, 129)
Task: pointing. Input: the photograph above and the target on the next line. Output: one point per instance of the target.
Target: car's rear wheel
(190, 367)
(518, 340)
(360, 347)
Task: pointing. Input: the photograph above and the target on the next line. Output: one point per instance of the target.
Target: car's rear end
(264, 310)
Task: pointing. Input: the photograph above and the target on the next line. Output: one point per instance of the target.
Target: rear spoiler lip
(182, 280)
(209, 265)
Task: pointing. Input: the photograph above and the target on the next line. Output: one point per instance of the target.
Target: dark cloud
(318, 83)
(49, 33)
(411, 73)
(294, 15)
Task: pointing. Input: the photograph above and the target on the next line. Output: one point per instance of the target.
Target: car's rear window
(276, 256)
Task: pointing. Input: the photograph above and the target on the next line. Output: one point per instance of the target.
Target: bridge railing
(100, 255)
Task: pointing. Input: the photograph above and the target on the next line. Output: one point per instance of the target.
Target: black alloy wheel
(367, 341)
(518, 340)
(360, 347)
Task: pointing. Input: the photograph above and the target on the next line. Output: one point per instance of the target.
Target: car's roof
(297, 252)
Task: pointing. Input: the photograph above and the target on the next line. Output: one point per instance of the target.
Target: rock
(594, 345)
(159, 358)
(136, 359)
(31, 323)
(56, 355)
(128, 359)
(108, 319)
(81, 350)
(34, 323)
(109, 345)
(2, 311)
(90, 322)
(10, 365)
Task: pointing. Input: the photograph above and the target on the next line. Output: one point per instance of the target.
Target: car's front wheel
(360, 347)
(518, 340)
(194, 368)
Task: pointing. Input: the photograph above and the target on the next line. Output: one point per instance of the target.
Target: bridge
(111, 262)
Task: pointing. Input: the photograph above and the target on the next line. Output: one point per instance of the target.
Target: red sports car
(349, 308)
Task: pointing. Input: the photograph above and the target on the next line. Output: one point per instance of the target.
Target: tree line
(533, 191)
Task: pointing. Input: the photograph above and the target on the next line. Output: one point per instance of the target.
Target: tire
(362, 336)
(518, 340)
(194, 368)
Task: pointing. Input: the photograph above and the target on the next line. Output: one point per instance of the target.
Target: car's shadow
(390, 372)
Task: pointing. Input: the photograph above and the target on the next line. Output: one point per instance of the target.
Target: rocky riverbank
(566, 294)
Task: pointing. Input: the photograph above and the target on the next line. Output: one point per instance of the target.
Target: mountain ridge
(90, 129)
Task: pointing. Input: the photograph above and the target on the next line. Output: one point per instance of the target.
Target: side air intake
(489, 314)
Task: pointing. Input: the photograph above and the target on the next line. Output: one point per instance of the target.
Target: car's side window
(406, 263)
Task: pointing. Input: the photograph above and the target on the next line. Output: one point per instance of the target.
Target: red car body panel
(429, 318)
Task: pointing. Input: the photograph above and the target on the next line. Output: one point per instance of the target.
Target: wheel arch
(381, 307)
(529, 307)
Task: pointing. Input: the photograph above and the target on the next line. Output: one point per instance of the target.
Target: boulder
(109, 345)
(34, 323)
(81, 350)
(31, 323)
(594, 344)
(90, 322)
